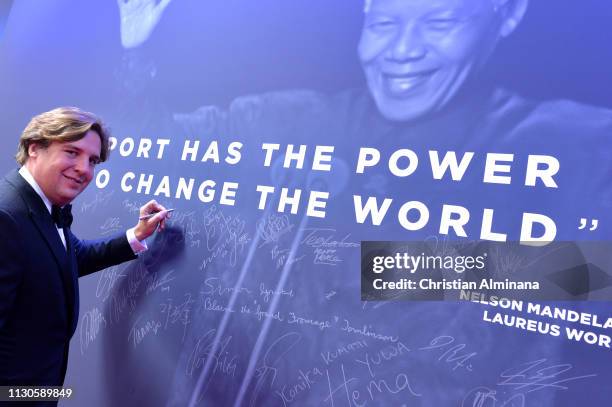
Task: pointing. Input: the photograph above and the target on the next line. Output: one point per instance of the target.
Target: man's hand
(146, 227)
(138, 19)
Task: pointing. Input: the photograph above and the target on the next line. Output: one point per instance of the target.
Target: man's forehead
(90, 145)
(408, 5)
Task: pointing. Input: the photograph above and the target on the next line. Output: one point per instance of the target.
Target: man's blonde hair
(64, 124)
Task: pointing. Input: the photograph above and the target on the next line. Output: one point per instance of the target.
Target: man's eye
(71, 153)
(441, 24)
(94, 162)
(381, 25)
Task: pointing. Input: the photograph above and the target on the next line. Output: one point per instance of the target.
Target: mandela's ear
(512, 13)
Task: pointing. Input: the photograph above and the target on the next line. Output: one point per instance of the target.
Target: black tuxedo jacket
(39, 291)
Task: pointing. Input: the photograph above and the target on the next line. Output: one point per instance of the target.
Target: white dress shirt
(136, 245)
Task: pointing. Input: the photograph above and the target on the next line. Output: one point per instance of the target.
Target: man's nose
(83, 168)
(408, 44)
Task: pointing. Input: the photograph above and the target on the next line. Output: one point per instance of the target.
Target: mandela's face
(416, 54)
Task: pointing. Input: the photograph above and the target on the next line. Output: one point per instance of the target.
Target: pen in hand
(149, 216)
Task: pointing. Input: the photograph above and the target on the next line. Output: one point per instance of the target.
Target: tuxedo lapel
(72, 267)
(44, 223)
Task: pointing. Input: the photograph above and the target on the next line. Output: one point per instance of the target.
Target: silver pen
(149, 216)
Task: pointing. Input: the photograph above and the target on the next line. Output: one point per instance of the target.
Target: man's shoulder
(561, 118)
(11, 201)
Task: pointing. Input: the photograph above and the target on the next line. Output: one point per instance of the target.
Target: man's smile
(402, 84)
(74, 180)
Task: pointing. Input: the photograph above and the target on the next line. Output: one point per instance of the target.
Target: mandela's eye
(441, 24)
(381, 25)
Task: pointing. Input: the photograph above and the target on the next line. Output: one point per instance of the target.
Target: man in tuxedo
(41, 258)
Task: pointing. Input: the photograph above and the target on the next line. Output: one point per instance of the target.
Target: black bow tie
(62, 216)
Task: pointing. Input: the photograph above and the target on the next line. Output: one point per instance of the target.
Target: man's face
(416, 54)
(63, 170)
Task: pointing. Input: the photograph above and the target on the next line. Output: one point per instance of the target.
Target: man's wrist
(137, 245)
(139, 234)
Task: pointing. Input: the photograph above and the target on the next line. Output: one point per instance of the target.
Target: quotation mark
(584, 222)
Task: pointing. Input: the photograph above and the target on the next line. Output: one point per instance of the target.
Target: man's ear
(34, 149)
(512, 13)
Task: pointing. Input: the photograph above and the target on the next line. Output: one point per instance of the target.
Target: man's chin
(401, 113)
(68, 197)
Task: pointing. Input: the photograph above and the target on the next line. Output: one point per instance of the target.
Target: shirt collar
(25, 173)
